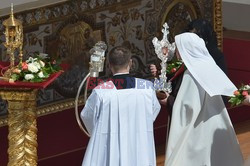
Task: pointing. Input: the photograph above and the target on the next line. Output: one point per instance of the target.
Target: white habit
(121, 126)
(201, 133)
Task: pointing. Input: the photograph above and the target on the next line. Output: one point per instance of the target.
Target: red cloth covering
(30, 85)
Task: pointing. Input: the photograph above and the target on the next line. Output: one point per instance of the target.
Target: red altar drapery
(30, 85)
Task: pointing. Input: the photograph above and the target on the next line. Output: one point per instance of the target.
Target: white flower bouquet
(35, 69)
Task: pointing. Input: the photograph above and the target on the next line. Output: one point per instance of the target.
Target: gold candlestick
(14, 40)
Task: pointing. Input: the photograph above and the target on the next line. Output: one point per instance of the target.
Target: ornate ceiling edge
(218, 22)
(49, 109)
(60, 11)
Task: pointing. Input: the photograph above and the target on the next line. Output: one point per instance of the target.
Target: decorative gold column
(22, 126)
(218, 27)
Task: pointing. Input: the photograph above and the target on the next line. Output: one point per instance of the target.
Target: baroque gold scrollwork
(22, 126)
(178, 14)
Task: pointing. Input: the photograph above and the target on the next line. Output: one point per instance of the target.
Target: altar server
(119, 116)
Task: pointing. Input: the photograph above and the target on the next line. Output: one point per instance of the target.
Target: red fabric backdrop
(237, 53)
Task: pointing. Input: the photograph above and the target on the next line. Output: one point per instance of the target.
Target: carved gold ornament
(14, 40)
(22, 126)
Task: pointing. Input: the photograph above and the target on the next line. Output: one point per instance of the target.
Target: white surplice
(201, 133)
(121, 126)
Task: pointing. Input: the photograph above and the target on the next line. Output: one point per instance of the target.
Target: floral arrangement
(35, 69)
(173, 66)
(239, 95)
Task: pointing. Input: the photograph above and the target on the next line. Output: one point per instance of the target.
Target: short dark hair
(119, 57)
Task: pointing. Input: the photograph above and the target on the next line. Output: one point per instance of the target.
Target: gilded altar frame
(195, 10)
(195, 5)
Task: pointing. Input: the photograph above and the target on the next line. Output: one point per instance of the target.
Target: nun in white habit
(201, 133)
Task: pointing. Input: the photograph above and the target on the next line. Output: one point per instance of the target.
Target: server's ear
(130, 63)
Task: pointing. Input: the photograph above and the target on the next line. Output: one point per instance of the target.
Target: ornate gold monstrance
(14, 40)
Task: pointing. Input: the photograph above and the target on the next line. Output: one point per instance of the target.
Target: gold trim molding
(218, 27)
(10, 94)
(57, 107)
(49, 109)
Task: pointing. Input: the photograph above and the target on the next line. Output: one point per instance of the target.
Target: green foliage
(236, 100)
(173, 66)
(239, 95)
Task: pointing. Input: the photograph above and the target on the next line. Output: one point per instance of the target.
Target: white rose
(37, 65)
(33, 68)
(40, 74)
(29, 76)
(42, 63)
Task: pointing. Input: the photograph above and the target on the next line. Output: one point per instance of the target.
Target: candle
(11, 6)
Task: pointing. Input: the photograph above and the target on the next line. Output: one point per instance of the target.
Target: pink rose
(24, 66)
(54, 62)
(236, 93)
(173, 70)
